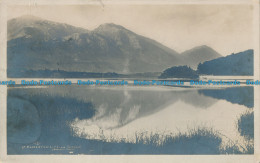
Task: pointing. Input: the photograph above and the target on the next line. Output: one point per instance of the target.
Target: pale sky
(225, 28)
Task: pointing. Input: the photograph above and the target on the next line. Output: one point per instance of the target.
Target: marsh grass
(245, 124)
(196, 141)
(200, 140)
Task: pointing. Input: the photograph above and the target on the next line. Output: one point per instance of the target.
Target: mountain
(37, 44)
(30, 26)
(235, 64)
(198, 55)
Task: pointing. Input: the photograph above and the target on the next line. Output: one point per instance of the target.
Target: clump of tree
(179, 72)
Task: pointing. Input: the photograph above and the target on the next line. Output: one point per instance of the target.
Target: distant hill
(198, 55)
(179, 72)
(235, 64)
(35, 44)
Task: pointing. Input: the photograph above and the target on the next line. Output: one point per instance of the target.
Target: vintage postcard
(129, 81)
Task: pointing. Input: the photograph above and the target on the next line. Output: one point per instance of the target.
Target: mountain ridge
(38, 44)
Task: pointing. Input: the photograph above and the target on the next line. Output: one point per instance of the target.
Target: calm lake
(130, 120)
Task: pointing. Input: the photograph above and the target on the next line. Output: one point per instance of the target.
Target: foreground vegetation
(195, 141)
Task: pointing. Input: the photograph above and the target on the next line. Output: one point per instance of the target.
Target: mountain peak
(201, 47)
(28, 25)
(199, 54)
(110, 25)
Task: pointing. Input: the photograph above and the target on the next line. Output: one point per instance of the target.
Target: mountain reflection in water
(129, 120)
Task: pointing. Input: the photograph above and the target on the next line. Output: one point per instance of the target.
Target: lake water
(130, 120)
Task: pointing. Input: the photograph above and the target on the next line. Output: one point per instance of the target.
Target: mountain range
(37, 44)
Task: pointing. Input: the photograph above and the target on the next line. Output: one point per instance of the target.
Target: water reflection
(237, 95)
(127, 120)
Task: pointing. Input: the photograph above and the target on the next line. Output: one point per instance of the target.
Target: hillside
(235, 64)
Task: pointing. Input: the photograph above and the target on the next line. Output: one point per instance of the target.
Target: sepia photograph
(132, 79)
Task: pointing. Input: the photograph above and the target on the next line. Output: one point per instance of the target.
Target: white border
(124, 158)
